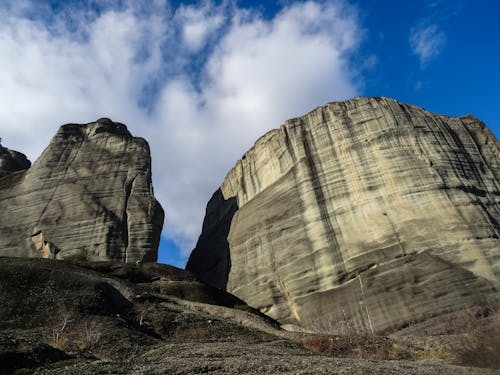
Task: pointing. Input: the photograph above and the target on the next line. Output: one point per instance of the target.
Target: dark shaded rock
(88, 195)
(107, 310)
(12, 161)
(210, 259)
(24, 354)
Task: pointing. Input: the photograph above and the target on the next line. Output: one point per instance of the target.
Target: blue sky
(202, 80)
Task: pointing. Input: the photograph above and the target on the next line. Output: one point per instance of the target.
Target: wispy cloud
(201, 82)
(427, 42)
(427, 38)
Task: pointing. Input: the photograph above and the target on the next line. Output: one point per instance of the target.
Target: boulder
(369, 211)
(89, 195)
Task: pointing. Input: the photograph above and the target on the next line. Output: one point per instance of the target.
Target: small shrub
(59, 338)
(145, 313)
(60, 342)
(91, 336)
(73, 335)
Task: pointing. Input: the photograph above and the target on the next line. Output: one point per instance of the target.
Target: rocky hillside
(60, 317)
(88, 195)
(369, 213)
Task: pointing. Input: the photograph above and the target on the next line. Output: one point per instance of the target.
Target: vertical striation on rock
(368, 210)
(89, 194)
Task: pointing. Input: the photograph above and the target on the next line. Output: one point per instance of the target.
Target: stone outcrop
(369, 212)
(88, 195)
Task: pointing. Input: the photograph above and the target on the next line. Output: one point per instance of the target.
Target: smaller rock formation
(42, 248)
(88, 195)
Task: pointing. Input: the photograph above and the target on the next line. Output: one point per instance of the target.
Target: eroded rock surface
(369, 212)
(89, 195)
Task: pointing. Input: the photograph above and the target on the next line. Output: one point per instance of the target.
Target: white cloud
(201, 83)
(427, 42)
(199, 23)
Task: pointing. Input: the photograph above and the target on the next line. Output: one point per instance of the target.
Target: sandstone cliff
(89, 194)
(370, 212)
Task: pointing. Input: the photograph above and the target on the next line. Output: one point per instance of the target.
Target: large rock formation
(88, 195)
(369, 212)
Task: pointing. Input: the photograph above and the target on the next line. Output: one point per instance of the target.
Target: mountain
(88, 195)
(369, 213)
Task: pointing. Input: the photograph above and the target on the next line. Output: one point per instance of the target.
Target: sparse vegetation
(143, 311)
(92, 334)
(59, 338)
(366, 347)
(80, 337)
(343, 338)
(473, 339)
(478, 343)
(341, 327)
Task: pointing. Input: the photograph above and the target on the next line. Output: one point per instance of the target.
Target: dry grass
(473, 339)
(83, 337)
(341, 327)
(478, 343)
(343, 338)
(59, 339)
(368, 347)
(145, 313)
(91, 336)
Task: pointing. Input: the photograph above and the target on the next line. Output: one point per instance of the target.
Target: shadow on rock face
(211, 258)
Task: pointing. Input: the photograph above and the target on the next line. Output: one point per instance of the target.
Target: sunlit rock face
(89, 194)
(369, 212)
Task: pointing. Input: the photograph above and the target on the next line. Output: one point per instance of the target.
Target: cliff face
(89, 194)
(369, 210)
